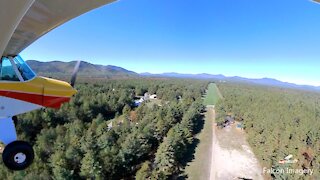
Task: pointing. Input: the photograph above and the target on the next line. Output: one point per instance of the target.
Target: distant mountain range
(88, 70)
(262, 81)
(65, 69)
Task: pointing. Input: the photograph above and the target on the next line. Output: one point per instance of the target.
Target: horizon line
(190, 73)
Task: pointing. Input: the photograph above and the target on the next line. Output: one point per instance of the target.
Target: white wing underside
(24, 21)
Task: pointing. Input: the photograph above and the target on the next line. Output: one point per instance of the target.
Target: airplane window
(7, 72)
(24, 69)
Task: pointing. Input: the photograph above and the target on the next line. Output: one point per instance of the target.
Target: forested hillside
(278, 122)
(77, 141)
(59, 69)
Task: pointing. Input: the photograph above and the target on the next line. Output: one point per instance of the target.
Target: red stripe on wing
(32, 98)
(54, 102)
(46, 101)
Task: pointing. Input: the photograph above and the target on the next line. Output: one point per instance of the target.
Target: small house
(228, 120)
(146, 96)
(153, 96)
(240, 126)
(110, 126)
(138, 102)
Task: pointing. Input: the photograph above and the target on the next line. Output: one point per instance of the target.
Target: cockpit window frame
(15, 68)
(18, 60)
(8, 59)
(13, 61)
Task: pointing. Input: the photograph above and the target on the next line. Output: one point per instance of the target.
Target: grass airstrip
(200, 166)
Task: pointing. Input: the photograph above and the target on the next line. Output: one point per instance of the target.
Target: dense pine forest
(101, 134)
(278, 122)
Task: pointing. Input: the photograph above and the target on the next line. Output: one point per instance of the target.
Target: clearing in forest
(221, 153)
(213, 95)
(232, 157)
(199, 167)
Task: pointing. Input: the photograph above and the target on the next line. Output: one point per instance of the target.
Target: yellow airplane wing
(24, 21)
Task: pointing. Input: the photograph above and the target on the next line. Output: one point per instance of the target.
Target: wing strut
(7, 131)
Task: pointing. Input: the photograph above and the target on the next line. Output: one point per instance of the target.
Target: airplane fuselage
(21, 91)
(21, 97)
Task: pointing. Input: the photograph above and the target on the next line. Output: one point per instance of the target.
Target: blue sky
(255, 39)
